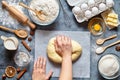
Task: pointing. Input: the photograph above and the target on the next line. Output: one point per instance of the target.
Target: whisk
(66, 16)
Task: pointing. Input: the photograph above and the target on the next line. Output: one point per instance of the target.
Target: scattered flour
(49, 7)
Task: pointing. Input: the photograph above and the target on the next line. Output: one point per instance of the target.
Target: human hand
(63, 46)
(39, 70)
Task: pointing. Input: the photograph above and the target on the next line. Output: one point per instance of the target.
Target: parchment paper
(81, 68)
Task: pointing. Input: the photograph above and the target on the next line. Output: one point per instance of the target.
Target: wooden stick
(21, 73)
(26, 45)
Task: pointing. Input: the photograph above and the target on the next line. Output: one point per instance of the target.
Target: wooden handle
(6, 29)
(112, 44)
(111, 37)
(15, 13)
(25, 6)
(4, 3)
(21, 73)
(31, 25)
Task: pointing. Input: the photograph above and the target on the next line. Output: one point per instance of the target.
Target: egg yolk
(97, 27)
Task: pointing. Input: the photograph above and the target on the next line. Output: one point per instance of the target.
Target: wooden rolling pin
(18, 15)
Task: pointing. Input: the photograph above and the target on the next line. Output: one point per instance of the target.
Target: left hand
(39, 70)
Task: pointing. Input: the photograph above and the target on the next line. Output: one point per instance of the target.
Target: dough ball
(53, 56)
(95, 10)
(84, 6)
(91, 3)
(88, 13)
(109, 3)
(76, 10)
(102, 6)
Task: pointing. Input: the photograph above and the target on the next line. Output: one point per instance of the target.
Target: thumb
(49, 75)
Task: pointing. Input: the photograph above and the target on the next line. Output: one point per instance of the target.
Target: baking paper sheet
(81, 68)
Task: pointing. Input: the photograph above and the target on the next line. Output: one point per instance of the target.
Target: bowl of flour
(109, 66)
(49, 11)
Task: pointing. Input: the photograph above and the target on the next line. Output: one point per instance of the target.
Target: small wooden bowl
(10, 71)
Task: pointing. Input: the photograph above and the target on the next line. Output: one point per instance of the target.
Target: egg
(102, 6)
(109, 3)
(95, 10)
(84, 6)
(88, 13)
(91, 3)
(76, 10)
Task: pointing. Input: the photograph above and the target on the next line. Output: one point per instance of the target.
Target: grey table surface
(65, 24)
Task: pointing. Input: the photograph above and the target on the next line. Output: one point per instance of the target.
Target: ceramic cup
(10, 43)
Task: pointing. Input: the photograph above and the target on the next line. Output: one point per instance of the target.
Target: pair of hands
(63, 47)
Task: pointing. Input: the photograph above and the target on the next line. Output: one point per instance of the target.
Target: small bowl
(22, 58)
(111, 75)
(38, 21)
(10, 71)
(94, 21)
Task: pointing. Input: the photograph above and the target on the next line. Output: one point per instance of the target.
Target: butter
(113, 15)
(112, 19)
(112, 24)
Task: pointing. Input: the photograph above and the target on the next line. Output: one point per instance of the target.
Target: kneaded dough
(53, 56)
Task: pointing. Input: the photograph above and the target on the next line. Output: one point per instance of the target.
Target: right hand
(63, 46)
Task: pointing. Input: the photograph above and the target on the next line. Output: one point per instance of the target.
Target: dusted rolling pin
(18, 15)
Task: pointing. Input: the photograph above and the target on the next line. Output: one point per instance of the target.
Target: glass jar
(22, 58)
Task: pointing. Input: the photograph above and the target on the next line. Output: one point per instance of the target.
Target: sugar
(108, 65)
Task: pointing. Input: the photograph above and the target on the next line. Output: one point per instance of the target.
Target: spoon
(19, 32)
(100, 50)
(101, 40)
(39, 14)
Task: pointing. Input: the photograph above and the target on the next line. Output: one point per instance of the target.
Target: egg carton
(89, 8)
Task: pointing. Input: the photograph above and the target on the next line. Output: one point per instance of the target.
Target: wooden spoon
(39, 14)
(19, 32)
(100, 50)
(101, 40)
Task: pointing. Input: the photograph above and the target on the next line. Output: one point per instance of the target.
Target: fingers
(62, 40)
(59, 40)
(49, 75)
(44, 64)
(40, 63)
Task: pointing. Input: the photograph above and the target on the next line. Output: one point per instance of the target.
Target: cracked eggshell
(91, 3)
(76, 10)
(109, 3)
(88, 13)
(95, 10)
(84, 6)
(102, 6)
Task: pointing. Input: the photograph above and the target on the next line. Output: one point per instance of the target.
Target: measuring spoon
(101, 40)
(19, 32)
(100, 50)
(38, 13)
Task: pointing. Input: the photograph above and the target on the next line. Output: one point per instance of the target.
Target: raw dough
(53, 56)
